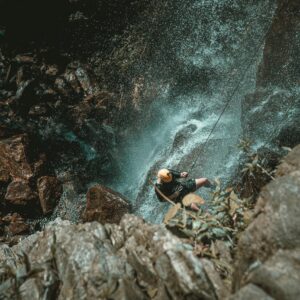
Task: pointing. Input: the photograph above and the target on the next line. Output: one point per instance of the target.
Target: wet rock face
(49, 190)
(105, 205)
(134, 260)
(281, 62)
(269, 249)
(272, 113)
(250, 292)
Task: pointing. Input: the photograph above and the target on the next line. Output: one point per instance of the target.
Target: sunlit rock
(49, 190)
(19, 192)
(13, 157)
(105, 205)
(147, 262)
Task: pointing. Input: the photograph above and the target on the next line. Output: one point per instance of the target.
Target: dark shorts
(189, 186)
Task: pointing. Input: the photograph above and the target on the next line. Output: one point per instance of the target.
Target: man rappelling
(176, 190)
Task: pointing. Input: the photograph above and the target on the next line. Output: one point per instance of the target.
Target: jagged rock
(22, 169)
(133, 260)
(5, 132)
(81, 79)
(24, 58)
(49, 190)
(18, 227)
(250, 292)
(4, 174)
(290, 163)
(269, 250)
(183, 135)
(95, 106)
(16, 224)
(33, 288)
(61, 86)
(86, 80)
(267, 115)
(38, 110)
(105, 205)
(13, 157)
(19, 192)
(279, 276)
(52, 70)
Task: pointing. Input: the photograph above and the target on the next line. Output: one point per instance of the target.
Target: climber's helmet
(165, 175)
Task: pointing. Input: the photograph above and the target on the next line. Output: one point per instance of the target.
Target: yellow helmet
(165, 175)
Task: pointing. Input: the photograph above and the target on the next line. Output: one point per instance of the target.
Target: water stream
(218, 48)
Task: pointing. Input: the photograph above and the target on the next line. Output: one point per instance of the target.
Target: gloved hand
(184, 174)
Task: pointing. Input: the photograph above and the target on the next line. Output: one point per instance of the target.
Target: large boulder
(105, 205)
(24, 174)
(49, 190)
(133, 260)
(290, 163)
(19, 192)
(13, 225)
(14, 158)
(269, 250)
(250, 292)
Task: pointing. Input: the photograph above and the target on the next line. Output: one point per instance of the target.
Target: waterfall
(212, 46)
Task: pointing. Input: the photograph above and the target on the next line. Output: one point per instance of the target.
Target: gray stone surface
(290, 163)
(269, 249)
(133, 260)
(250, 292)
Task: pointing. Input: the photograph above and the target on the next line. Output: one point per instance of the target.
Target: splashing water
(220, 43)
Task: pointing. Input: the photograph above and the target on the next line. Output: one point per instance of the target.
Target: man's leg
(194, 207)
(191, 186)
(202, 182)
(199, 183)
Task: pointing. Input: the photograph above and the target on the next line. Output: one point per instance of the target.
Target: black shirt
(169, 188)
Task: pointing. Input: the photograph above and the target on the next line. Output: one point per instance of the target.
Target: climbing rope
(230, 98)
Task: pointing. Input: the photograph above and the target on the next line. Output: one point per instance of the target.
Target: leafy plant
(226, 215)
(245, 145)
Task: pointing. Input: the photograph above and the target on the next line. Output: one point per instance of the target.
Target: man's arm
(177, 174)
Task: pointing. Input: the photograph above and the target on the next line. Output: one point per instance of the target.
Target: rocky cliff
(69, 81)
(136, 260)
(268, 256)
